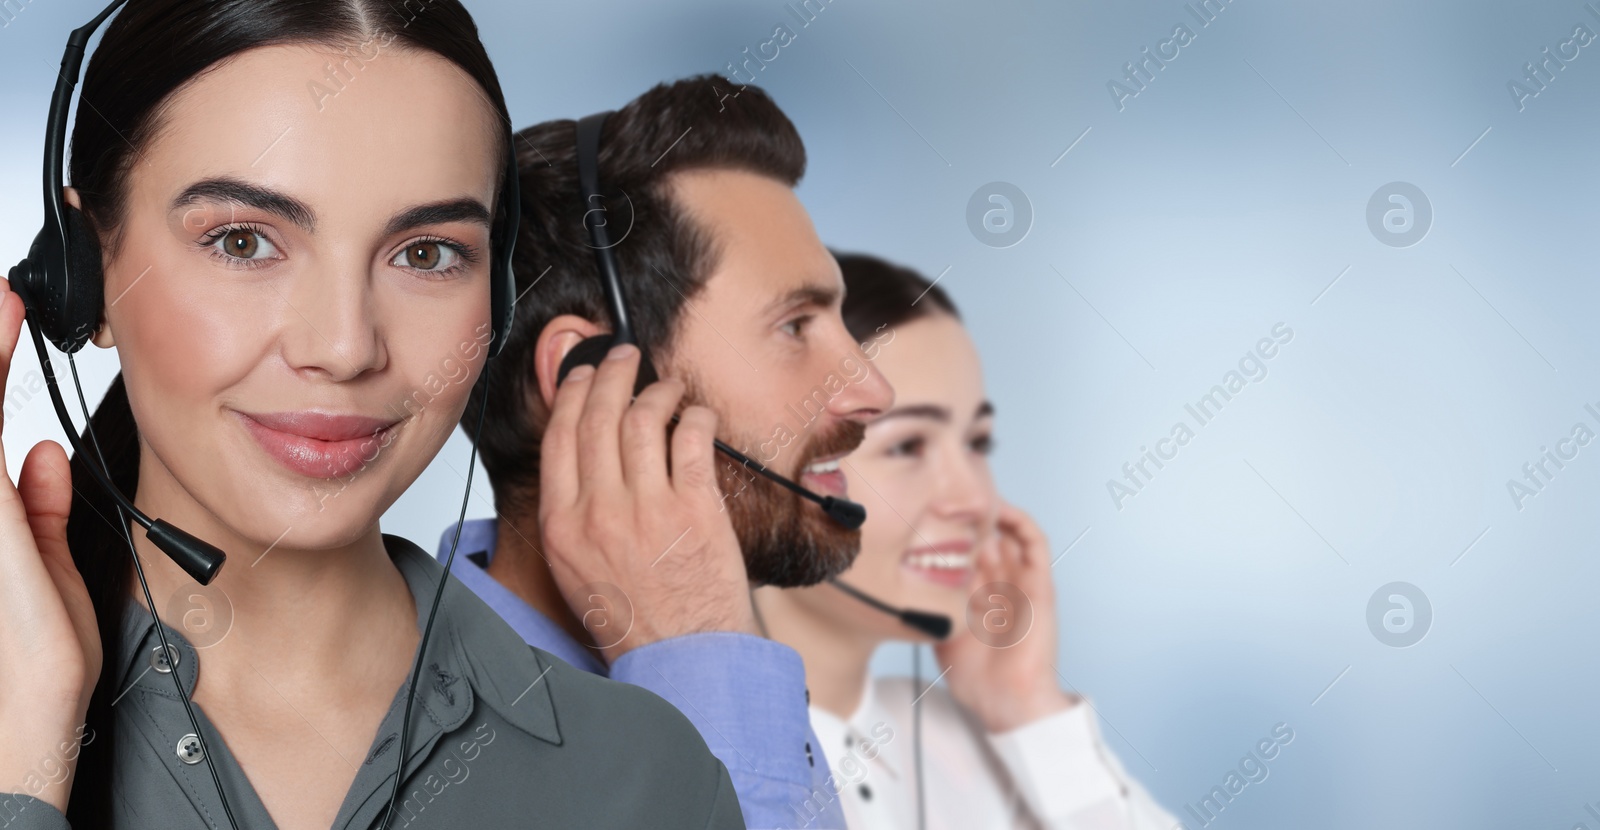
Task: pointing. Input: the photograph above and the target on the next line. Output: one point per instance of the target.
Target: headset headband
(589, 128)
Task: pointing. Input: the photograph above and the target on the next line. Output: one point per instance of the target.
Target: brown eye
(243, 243)
(426, 256)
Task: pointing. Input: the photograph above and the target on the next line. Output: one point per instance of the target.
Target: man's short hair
(664, 258)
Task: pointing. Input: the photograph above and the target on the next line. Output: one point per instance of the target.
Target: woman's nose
(330, 324)
(966, 490)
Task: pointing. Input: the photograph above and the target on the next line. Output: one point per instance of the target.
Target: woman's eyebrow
(452, 210)
(236, 191)
(228, 189)
(924, 410)
(933, 411)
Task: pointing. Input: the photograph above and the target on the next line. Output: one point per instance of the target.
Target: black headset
(62, 288)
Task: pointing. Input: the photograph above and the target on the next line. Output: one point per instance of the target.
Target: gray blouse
(502, 735)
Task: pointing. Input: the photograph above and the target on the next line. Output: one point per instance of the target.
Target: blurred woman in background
(1001, 745)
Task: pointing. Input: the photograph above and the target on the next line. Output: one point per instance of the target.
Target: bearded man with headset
(623, 544)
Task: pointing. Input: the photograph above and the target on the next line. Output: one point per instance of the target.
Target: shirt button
(189, 749)
(810, 760)
(866, 793)
(163, 663)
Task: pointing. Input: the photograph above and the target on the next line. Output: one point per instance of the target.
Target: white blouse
(1052, 774)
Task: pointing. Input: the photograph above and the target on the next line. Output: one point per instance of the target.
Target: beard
(787, 540)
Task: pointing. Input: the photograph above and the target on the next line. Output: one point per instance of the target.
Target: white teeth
(823, 466)
(941, 561)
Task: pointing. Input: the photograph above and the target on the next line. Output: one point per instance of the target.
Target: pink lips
(316, 444)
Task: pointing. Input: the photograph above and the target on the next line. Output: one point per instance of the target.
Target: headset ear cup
(82, 300)
(503, 242)
(502, 289)
(591, 350)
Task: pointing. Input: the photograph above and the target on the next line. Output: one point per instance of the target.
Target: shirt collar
(469, 643)
(482, 536)
(477, 536)
(846, 735)
(867, 710)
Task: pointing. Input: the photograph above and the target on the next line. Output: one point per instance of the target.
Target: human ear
(555, 341)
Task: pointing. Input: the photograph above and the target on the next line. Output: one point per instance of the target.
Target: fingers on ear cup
(591, 350)
(647, 373)
(19, 275)
(81, 292)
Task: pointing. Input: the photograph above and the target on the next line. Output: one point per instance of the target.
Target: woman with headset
(1000, 745)
(299, 212)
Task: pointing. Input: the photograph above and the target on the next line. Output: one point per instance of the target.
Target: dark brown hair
(151, 49)
(879, 293)
(664, 258)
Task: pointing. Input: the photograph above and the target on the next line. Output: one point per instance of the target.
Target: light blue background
(1231, 592)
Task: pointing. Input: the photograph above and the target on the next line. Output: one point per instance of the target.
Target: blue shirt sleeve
(747, 697)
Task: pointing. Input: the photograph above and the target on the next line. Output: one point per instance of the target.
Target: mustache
(844, 438)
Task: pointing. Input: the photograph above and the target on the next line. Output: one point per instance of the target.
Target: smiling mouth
(824, 476)
(941, 561)
(950, 564)
(820, 467)
(319, 446)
